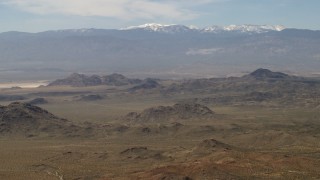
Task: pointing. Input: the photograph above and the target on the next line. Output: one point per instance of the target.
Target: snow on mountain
(254, 28)
(244, 28)
(212, 29)
(153, 27)
(173, 28)
(83, 30)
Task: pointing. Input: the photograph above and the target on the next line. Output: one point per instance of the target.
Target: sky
(42, 15)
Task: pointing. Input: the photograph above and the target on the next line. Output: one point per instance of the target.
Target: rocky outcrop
(141, 153)
(266, 73)
(175, 112)
(145, 85)
(24, 119)
(211, 144)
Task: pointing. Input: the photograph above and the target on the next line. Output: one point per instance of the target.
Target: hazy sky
(40, 15)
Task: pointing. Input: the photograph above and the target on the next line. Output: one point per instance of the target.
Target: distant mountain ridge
(115, 79)
(174, 28)
(79, 80)
(160, 51)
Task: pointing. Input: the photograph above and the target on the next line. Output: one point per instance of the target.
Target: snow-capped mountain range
(174, 28)
(160, 49)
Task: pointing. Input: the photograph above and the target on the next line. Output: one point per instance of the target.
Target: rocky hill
(208, 146)
(175, 112)
(76, 79)
(37, 101)
(141, 153)
(24, 119)
(118, 80)
(260, 87)
(80, 80)
(145, 85)
(253, 80)
(266, 73)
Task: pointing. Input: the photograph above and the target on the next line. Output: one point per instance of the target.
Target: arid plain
(264, 125)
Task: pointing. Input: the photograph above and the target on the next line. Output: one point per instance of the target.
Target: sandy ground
(23, 84)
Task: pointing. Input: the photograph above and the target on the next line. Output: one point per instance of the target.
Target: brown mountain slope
(22, 119)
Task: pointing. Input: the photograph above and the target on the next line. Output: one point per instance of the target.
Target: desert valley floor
(264, 125)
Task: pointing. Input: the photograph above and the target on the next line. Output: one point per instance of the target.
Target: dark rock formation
(146, 84)
(175, 112)
(79, 80)
(212, 143)
(141, 153)
(210, 146)
(265, 73)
